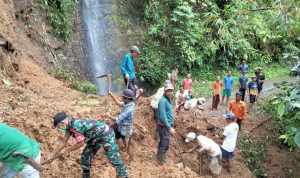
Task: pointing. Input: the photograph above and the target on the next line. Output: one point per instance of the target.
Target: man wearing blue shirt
(228, 86)
(165, 123)
(127, 67)
(243, 67)
(243, 85)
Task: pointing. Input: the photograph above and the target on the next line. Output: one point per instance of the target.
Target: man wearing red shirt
(187, 82)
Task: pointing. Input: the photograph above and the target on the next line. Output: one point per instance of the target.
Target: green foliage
(287, 107)
(83, 86)
(254, 154)
(291, 137)
(199, 36)
(61, 14)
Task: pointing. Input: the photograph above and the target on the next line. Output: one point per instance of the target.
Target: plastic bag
(214, 167)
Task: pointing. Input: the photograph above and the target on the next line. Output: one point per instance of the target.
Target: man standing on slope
(127, 67)
(239, 109)
(229, 138)
(228, 87)
(165, 123)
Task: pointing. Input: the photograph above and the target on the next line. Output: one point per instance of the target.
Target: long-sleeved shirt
(127, 66)
(165, 111)
(125, 118)
(87, 130)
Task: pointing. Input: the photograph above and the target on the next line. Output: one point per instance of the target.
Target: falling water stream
(98, 34)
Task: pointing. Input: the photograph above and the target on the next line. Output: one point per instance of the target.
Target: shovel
(180, 153)
(29, 161)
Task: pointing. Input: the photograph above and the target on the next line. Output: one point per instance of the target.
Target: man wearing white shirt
(206, 144)
(210, 147)
(229, 138)
(181, 98)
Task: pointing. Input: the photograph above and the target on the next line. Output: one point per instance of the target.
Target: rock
(179, 165)
(7, 82)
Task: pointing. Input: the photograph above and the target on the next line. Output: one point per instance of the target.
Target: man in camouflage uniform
(95, 135)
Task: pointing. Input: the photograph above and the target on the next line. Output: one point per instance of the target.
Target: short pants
(226, 154)
(227, 92)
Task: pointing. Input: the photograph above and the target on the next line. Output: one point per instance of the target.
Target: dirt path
(279, 162)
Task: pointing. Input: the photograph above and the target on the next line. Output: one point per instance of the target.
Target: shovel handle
(178, 147)
(127, 83)
(29, 161)
(109, 82)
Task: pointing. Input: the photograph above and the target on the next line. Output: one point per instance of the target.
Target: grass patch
(82, 86)
(254, 154)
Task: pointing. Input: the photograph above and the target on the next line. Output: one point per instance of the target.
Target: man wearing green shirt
(165, 123)
(12, 140)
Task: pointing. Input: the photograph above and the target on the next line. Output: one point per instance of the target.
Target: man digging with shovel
(123, 127)
(208, 146)
(95, 135)
(19, 154)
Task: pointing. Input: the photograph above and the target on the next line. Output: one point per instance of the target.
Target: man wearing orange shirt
(238, 107)
(216, 90)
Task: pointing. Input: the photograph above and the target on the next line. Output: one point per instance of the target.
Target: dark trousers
(130, 85)
(164, 142)
(215, 101)
(117, 133)
(259, 88)
(239, 122)
(243, 91)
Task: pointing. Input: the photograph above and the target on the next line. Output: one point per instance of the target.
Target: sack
(214, 167)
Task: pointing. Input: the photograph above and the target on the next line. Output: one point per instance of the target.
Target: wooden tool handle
(109, 82)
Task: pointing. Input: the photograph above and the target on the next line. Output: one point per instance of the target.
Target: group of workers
(236, 112)
(95, 134)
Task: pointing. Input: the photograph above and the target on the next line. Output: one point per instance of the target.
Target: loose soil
(34, 97)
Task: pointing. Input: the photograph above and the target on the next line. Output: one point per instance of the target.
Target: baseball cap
(190, 136)
(59, 117)
(229, 115)
(169, 86)
(167, 81)
(253, 76)
(135, 49)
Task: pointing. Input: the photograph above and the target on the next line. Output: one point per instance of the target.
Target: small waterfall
(98, 34)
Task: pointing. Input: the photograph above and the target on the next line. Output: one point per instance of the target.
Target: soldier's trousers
(112, 152)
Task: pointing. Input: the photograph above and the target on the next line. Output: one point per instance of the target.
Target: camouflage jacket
(88, 131)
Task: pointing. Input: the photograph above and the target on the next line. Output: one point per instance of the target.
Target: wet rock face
(100, 40)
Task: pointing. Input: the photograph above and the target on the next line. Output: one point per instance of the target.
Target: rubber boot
(162, 157)
(86, 174)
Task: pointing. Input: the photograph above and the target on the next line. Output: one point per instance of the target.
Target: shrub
(82, 86)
